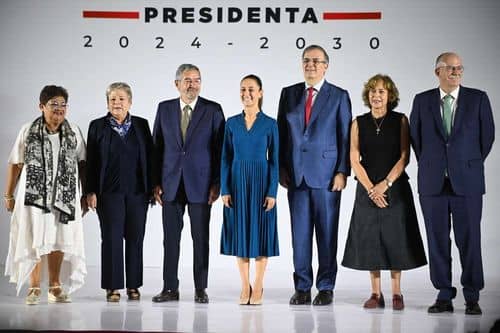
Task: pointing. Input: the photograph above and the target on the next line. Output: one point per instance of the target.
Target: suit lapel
(175, 119)
(196, 116)
(459, 112)
(140, 139)
(105, 143)
(318, 106)
(296, 116)
(435, 108)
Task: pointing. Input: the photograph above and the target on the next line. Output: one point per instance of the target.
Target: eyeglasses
(458, 68)
(54, 105)
(194, 82)
(315, 61)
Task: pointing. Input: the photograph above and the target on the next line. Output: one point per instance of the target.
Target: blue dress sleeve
(226, 161)
(273, 158)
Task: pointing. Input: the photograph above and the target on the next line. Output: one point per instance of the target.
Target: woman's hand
(84, 205)
(269, 203)
(226, 200)
(9, 203)
(91, 201)
(378, 196)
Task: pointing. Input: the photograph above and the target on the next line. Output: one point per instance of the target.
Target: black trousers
(122, 216)
(199, 216)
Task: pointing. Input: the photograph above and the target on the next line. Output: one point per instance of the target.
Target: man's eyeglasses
(459, 68)
(190, 81)
(315, 61)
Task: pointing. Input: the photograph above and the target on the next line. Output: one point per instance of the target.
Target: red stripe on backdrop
(110, 14)
(352, 15)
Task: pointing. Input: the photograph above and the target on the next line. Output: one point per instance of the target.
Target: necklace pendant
(378, 131)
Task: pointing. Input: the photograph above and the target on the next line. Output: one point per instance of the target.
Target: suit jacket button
(183, 153)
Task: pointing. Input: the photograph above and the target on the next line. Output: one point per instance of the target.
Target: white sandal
(33, 297)
(62, 297)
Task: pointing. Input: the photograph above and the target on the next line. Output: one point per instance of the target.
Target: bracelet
(8, 197)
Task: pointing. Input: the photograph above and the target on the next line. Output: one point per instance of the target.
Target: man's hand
(284, 178)
(213, 194)
(157, 192)
(339, 182)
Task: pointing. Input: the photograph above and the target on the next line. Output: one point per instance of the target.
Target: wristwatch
(388, 182)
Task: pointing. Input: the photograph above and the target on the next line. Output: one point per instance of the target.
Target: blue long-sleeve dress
(249, 173)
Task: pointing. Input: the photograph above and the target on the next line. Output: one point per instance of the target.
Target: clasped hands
(378, 196)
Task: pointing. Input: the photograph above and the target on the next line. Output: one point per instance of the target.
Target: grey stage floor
(89, 311)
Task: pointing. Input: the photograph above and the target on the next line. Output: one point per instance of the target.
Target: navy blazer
(317, 152)
(197, 160)
(98, 143)
(463, 153)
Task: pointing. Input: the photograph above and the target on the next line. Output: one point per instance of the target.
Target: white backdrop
(42, 42)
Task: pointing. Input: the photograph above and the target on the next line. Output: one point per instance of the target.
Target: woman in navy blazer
(119, 187)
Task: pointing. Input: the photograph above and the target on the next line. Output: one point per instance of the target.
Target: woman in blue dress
(249, 183)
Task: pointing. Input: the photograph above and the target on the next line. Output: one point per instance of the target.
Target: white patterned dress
(34, 233)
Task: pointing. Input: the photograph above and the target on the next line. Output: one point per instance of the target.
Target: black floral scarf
(40, 190)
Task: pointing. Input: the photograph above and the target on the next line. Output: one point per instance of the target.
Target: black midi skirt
(384, 238)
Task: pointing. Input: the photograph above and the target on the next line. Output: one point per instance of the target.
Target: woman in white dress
(46, 165)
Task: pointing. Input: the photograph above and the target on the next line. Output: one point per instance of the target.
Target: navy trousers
(314, 210)
(441, 212)
(199, 216)
(121, 216)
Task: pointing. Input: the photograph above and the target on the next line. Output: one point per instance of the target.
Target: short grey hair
(316, 47)
(183, 68)
(119, 85)
(440, 59)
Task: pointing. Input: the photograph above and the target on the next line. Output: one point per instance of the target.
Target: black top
(380, 152)
(123, 171)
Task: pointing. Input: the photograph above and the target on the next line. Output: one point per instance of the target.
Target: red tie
(309, 103)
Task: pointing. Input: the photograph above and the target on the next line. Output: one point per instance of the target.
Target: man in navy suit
(314, 118)
(452, 132)
(187, 136)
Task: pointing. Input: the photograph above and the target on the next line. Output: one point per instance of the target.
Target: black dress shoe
(440, 306)
(166, 296)
(324, 297)
(200, 296)
(301, 298)
(473, 308)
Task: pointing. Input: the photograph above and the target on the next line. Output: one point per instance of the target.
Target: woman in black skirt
(384, 233)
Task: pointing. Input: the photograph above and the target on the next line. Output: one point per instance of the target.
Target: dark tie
(186, 117)
(447, 113)
(309, 102)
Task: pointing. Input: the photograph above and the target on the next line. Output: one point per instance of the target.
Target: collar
(114, 122)
(317, 86)
(453, 93)
(192, 104)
